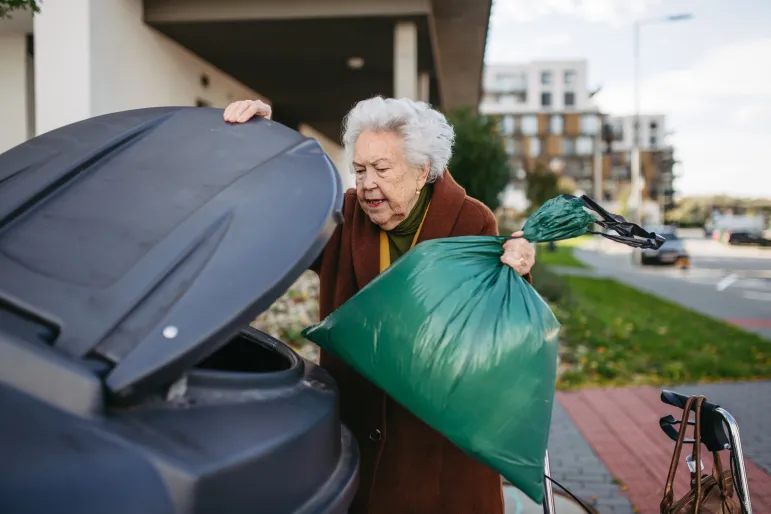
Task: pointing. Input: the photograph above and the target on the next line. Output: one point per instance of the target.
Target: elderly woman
(398, 150)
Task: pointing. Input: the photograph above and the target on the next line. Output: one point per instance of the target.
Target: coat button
(376, 435)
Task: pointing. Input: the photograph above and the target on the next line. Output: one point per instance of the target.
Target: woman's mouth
(374, 204)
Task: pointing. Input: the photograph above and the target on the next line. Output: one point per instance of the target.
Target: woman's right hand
(244, 110)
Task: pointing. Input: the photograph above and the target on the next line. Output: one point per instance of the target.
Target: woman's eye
(381, 170)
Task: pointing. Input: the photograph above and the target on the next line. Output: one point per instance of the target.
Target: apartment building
(656, 156)
(653, 132)
(546, 114)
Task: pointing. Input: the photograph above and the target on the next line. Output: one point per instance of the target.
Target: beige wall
(14, 89)
(335, 153)
(98, 56)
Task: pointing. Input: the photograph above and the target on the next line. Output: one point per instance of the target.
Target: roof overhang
(296, 52)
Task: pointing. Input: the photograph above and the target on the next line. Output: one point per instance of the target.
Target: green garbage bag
(464, 343)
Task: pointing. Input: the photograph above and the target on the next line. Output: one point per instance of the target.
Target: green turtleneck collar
(400, 237)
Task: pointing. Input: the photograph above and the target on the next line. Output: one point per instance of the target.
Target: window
(511, 81)
(568, 146)
(556, 125)
(569, 78)
(535, 147)
(546, 77)
(545, 99)
(573, 169)
(618, 131)
(584, 145)
(529, 125)
(570, 99)
(654, 125)
(654, 141)
(507, 125)
(589, 124)
(516, 98)
(511, 147)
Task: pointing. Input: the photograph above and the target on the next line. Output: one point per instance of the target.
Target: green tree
(479, 162)
(6, 6)
(542, 185)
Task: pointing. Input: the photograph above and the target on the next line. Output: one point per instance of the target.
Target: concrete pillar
(406, 60)
(15, 87)
(424, 86)
(63, 60)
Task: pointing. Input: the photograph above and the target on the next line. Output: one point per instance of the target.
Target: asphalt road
(725, 282)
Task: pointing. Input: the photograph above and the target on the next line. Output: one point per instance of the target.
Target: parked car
(135, 250)
(748, 238)
(672, 252)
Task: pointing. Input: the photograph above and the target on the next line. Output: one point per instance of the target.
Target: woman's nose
(368, 181)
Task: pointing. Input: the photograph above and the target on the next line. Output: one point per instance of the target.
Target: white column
(14, 87)
(406, 60)
(424, 80)
(62, 63)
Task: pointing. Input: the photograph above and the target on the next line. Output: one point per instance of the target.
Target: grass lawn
(617, 335)
(578, 242)
(563, 256)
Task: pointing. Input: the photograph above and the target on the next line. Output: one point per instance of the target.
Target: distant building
(546, 114)
(656, 156)
(653, 132)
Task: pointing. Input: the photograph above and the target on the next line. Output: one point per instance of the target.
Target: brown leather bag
(709, 494)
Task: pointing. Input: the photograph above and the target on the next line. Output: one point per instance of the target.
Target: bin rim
(147, 238)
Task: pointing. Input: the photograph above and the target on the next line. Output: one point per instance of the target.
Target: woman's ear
(423, 175)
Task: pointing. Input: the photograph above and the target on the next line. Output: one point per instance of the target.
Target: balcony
(501, 103)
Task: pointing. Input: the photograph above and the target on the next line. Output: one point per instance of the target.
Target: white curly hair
(428, 136)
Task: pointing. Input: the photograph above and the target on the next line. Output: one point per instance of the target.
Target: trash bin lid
(147, 238)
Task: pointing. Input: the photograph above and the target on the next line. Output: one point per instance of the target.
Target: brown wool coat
(406, 466)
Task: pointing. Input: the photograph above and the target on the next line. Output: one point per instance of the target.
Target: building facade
(312, 61)
(657, 159)
(546, 115)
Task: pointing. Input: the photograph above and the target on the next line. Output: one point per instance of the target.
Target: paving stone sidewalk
(620, 426)
(575, 465)
(597, 429)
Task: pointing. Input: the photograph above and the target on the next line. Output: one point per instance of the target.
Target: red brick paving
(622, 426)
(750, 322)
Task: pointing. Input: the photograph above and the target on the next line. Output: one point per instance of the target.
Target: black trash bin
(135, 248)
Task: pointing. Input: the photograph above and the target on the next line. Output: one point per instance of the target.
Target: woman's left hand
(519, 254)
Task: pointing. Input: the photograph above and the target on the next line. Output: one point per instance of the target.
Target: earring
(417, 192)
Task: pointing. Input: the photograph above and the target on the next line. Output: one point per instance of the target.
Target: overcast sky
(710, 75)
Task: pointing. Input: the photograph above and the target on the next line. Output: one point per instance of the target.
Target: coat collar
(446, 203)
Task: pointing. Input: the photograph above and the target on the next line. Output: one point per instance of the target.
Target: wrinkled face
(386, 183)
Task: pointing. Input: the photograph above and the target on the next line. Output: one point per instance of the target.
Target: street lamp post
(636, 166)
